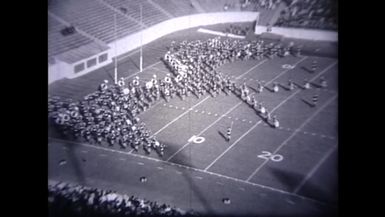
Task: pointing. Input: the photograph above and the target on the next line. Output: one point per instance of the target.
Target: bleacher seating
(313, 14)
(177, 8)
(57, 43)
(94, 18)
(218, 6)
(151, 15)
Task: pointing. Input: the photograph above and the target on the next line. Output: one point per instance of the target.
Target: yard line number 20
(269, 156)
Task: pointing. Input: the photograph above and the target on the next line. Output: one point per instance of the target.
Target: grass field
(289, 171)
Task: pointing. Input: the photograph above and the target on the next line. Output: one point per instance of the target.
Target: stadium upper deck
(94, 27)
(95, 19)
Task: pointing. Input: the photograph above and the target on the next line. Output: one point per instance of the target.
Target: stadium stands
(177, 8)
(57, 43)
(67, 199)
(216, 6)
(94, 18)
(314, 14)
(92, 22)
(151, 15)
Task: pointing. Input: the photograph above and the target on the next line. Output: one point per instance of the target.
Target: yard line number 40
(269, 156)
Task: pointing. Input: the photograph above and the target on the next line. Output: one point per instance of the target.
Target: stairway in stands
(275, 14)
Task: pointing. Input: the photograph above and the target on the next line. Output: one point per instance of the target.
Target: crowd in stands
(256, 5)
(237, 30)
(314, 14)
(65, 199)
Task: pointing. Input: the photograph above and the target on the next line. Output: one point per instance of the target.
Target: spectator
(66, 199)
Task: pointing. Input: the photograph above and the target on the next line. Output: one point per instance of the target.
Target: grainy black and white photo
(192, 108)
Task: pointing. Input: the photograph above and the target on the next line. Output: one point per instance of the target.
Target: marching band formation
(110, 114)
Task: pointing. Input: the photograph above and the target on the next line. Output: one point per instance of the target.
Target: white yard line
(256, 124)
(181, 115)
(189, 110)
(185, 145)
(260, 63)
(160, 70)
(310, 174)
(301, 60)
(293, 134)
(194, 169)
(227, 111)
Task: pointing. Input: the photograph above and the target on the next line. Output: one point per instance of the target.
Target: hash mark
(140, 163)
(160, 168)
(198, 177)
(62, 162)
(219, 183)
(102, 155)
(291, 202)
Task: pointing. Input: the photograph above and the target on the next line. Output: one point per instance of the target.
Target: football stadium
(192, 107)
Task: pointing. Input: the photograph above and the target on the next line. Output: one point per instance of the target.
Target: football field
(287, 171)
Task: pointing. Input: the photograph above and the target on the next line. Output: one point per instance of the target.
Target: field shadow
(220, 133)
(187, 175)
(75, 162)
(291, 180)
(307, 102)
(299, 86)
(253, 89)
(315, 85)
(269, 89)
(284, 87)
(306, 69)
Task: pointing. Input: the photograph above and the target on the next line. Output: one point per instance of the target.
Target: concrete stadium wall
(58, 71)
(308, 34)
(98, 65)
(150, 34)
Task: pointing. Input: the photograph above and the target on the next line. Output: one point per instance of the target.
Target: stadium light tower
(141, 41)
(116, 57)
